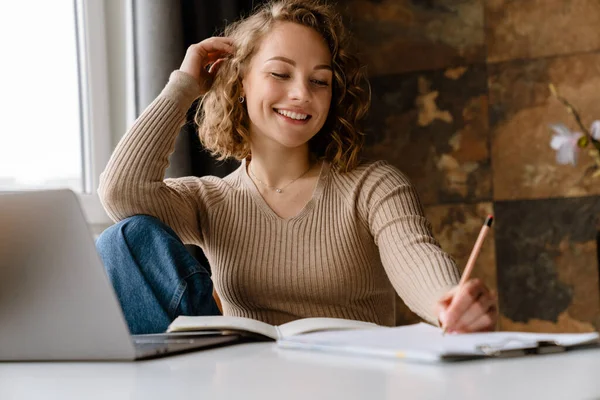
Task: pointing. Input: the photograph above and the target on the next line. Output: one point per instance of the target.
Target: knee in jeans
(128, 231)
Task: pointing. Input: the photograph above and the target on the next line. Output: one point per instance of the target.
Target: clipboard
(541, 347)
(425, 343)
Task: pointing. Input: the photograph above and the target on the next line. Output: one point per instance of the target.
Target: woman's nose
(299, 91)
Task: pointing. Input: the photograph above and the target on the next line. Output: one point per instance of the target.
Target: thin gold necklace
(278, 189)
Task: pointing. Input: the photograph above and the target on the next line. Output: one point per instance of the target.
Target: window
(56, 131)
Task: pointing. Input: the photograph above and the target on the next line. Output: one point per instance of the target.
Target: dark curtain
(203, 19)
(162, 31)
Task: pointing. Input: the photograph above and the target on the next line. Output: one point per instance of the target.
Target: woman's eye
(320, 83)
(316, 82)
(279, 76)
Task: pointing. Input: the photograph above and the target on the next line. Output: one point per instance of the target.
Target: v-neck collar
(260, 201)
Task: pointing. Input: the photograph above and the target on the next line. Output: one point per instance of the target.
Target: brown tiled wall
(461, 105)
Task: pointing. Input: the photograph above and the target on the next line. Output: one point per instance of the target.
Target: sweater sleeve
(417, 267)
(133, 181)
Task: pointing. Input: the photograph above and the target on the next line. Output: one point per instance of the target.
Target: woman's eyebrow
(293, 63)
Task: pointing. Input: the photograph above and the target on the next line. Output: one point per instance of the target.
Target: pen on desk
(475, 252)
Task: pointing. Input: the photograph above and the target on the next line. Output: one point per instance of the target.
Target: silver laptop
(56, 301)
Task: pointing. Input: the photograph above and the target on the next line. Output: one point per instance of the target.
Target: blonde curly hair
(223, 121)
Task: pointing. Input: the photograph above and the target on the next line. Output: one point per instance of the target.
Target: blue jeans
(154, 276)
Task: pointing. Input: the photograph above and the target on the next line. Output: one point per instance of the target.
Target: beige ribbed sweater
(362, 235)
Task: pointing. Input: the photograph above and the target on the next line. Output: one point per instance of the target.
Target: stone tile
(434, 127)
(514, 29)
(547, 264)
(521, 110)
(397, 36)
(456, 227)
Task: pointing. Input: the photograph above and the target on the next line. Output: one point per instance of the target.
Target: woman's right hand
(202, 60)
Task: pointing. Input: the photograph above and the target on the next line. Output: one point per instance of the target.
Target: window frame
(95, 110)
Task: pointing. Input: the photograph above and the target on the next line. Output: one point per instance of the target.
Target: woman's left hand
(470, 307)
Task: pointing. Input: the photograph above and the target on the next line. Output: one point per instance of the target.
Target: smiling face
(288, 86)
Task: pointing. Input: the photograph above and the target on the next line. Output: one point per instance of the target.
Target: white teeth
(293, 115)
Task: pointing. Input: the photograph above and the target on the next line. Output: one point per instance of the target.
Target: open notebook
(185, 323)
(423, 342)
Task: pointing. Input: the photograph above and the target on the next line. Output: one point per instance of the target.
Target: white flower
(595, 130)
(565, 143)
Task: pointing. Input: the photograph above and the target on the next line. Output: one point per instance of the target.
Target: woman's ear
(242, 91)
(242, 96)
(242, 86)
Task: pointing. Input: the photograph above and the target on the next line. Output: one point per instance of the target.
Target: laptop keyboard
(156, 345)
(143, 341)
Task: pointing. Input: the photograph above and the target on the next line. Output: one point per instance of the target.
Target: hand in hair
(202, 60)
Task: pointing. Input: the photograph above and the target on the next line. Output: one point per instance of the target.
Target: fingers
(214, 67)
(465, 296)
(478, 316)
(210, 49)
(443, 304)
(446, 299)
(485, 322)
(201, 60)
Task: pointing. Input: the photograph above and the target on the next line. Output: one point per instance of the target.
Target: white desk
(261, 371)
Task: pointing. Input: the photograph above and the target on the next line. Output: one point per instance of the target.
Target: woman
(302, 228)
